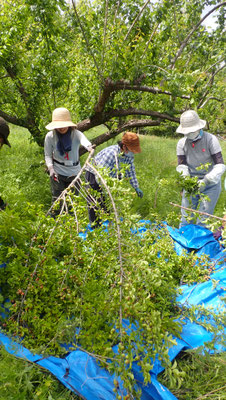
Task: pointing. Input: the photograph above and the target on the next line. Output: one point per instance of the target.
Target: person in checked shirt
(111, 157)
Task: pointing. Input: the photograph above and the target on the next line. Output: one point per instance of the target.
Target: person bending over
(111, 157)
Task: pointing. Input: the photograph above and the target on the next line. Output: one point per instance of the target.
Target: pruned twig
(198, 212)
(118, 236)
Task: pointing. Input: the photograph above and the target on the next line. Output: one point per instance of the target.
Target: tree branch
(11, 119)
(105, 32)
(116, 12)
(126, 126)
(125, 85)
(135, 111)
(213, 65)
(175, 22)
(208, 85)
(136, 19)
(102, 118)
(107, 90)
(111, 87)
(198, 212)
(119, 238)
(29, 121)
(186, 40)
(149, 41)
(211, 98)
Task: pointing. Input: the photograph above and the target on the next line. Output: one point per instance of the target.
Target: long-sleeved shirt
(111, 158)
(71, 164)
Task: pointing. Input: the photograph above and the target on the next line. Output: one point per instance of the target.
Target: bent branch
(135, 111)
(186, 40)
(126, 126)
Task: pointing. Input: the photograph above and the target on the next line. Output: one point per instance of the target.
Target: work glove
(53, 174)
(217, 233)
(91, 147)
(201, 185)
(139, 192)
(214, 176)
(183, 169)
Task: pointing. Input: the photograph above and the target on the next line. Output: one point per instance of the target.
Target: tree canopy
(119, 63)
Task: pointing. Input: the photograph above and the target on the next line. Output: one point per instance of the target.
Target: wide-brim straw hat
(61, 118)
(132, 142)
(4, 131)
(190, 122)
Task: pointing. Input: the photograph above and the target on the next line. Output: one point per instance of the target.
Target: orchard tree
(123, 64)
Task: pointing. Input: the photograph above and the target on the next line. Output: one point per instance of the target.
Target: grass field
(22, 168)
(24, 181)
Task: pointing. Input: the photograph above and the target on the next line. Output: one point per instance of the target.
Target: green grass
(203, 377)
(22, 169)
(21, 380)
(24, 181)
(23, 176)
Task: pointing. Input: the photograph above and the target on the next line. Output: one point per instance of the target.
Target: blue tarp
(81, 373)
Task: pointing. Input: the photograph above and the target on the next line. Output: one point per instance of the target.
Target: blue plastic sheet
(80, 372)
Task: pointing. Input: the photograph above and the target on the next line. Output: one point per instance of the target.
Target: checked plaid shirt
(111, 158)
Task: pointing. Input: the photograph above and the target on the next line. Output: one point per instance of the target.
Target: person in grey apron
(195, 149)
(61, 149)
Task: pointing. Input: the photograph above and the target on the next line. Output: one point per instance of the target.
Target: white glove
(91, 147)
(214, 176)
(201, 185)
(182, 168)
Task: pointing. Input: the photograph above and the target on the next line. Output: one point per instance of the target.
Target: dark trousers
(58, 187)
(99, 198)
(2, 204)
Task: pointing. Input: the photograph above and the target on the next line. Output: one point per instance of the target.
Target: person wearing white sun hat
(195, 149)
(61, 149)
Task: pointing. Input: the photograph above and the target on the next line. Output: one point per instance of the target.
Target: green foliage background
(54, 54)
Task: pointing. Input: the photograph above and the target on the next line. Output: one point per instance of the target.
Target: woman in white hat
(197, 148)
(62, 150)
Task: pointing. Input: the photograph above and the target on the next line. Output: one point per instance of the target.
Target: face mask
(193, 135)
(130, 154)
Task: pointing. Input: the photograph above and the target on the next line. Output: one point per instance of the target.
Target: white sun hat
(190, 122)
(61, 118)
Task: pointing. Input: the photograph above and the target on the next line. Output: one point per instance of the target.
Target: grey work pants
(213, 192)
